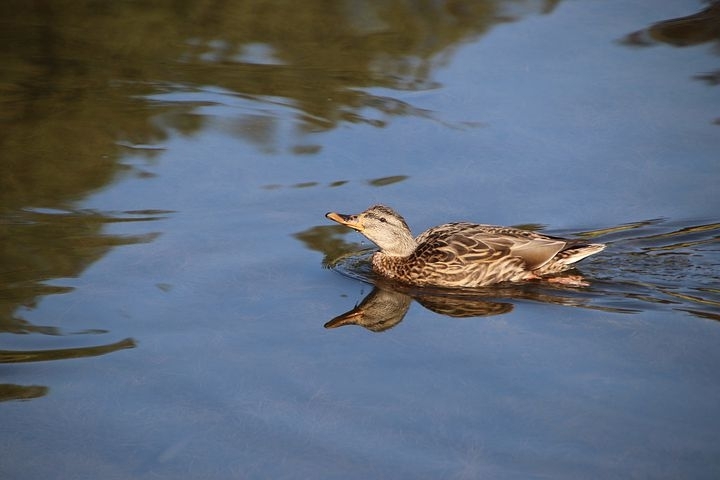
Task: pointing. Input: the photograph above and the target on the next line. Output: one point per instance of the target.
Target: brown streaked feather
(474, 243)
(461, 254)
(572, 254)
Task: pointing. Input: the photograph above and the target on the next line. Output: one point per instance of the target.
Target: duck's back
(468, 254)
(470, 242)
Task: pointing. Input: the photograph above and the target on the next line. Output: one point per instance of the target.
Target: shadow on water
(648, 265)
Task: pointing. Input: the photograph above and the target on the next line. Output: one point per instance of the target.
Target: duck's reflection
(384, 308)
(379, 311)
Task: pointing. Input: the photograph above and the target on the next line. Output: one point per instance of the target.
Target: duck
(464, 254)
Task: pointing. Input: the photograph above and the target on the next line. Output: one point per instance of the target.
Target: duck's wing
(470, 243)
(536, 251)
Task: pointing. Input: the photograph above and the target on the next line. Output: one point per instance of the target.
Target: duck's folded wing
(535, 250)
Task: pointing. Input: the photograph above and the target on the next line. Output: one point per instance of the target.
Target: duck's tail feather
(573, 253)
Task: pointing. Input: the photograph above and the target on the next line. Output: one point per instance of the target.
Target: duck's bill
(353, 317)
(347, 220)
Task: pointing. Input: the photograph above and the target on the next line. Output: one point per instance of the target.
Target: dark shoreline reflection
(37, 247)
(695, 29)
(42, 246)
(10, 391)
(25, 356)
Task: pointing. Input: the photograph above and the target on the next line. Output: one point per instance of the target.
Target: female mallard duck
(462, 254)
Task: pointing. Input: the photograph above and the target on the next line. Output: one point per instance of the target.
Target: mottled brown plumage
(462, 254)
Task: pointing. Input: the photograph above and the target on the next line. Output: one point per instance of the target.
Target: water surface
(167, 273)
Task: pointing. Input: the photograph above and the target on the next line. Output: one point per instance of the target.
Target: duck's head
(383, 226)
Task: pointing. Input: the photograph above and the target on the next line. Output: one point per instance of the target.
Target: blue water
(167, 270)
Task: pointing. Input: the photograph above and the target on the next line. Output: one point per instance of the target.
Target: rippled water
(173, 303)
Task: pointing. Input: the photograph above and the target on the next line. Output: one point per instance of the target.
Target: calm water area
(174, 304)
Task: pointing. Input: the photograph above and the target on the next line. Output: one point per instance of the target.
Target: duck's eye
(383, 220)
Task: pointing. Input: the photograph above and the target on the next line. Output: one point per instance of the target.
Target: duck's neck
(402, 245)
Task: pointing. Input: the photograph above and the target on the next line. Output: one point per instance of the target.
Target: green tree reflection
(81, 78)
